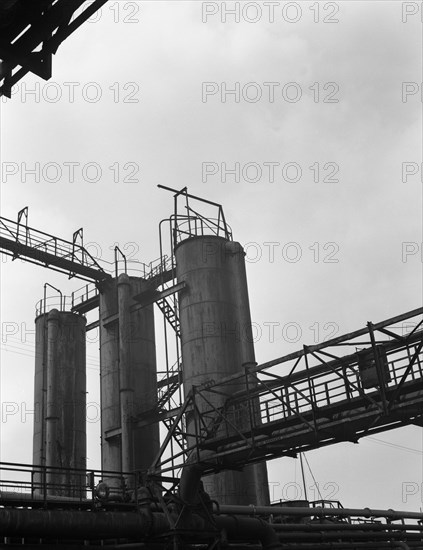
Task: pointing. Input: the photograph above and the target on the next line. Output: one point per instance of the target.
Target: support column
(126, 385)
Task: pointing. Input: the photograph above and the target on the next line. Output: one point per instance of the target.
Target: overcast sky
(304, 120)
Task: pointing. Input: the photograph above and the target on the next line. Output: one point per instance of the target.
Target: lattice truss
(346, 388)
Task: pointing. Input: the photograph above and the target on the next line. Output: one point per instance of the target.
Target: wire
(33, 354)
(31, 345)
(303, 476)
(394, 445)
(315, 483)
(91, 366)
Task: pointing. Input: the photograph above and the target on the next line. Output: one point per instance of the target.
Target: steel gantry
(314, 397)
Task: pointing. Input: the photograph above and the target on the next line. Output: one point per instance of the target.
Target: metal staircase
(170, 314)
(170, 384)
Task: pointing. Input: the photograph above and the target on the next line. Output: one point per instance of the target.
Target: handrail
(20, 240)
(312, 400)
(39, 482)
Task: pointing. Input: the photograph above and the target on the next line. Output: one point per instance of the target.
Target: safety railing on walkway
(344, 381)
(17, 239)
(25, 484)
(327, 396)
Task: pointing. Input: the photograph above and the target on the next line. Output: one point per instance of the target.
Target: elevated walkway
(325, 398)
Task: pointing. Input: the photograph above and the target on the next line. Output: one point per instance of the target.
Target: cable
(31, 345)
(14, 346)
(315, 483)
(394, 445)
(92, 366)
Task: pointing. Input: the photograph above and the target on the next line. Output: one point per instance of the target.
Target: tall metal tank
(235, 255)
(215, 316)
(59, 438)
(40, 393)
(128, 376)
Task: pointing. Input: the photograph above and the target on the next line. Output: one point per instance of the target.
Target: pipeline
(334, 546)
(12, 496)
(312, 527)
(77, 524)
(189, 489)
(247, 529)
(348, 536)
(139, 525)
(353, 546)
(252, 510)
(73, 524)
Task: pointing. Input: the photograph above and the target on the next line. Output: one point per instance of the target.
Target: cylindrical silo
(212, 317)
(236, 256)
(128, 376)
(60, 397)
(40, 395)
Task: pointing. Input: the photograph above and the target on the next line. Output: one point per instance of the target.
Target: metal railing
(376, 387)
(19, 240)
(329, 388)
(191, 223)
(22, 484)
(89, 291)
(185, 227)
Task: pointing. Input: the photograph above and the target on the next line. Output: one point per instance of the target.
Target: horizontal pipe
(69, 546)
(74, 524)
(297, 511)
(16, 496)
(346, 536)
(352, 546)
(311, 527)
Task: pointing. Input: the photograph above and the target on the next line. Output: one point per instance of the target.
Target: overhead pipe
(327, 527)
(352, 546)
(346, 536)
(321, 512)
(15, 496)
